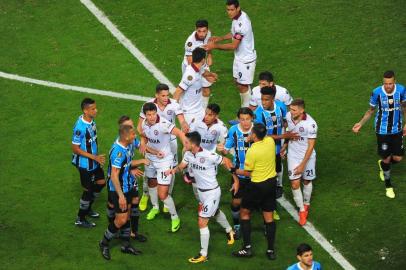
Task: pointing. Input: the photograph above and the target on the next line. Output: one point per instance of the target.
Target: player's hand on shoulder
(356, 128)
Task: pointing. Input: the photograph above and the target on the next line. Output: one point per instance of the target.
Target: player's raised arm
(224, 46)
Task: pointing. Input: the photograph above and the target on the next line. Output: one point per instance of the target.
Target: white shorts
(244, 72)
(210, 201)
(157, 170)
(205, 83)
(309, 172)
(196, 116)
(174, 150)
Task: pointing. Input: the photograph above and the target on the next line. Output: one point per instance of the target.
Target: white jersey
(192, 43)
(169, 113)
(282, 94)
(159, 137)
(191, 83)
(204, 165)
(210, 135)
(307, 129)
(241, 29)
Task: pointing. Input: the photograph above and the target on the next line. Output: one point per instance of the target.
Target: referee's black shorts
(260, 195)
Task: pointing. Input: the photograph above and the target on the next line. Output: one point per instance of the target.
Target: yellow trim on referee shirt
(260, 160)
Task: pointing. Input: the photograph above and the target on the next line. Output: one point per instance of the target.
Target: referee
(261, 191)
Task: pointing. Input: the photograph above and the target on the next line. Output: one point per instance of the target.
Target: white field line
(72, 87)
(102, 18)
(317, 236)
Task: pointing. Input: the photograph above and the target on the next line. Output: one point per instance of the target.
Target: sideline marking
(102, 18)
(68, 87)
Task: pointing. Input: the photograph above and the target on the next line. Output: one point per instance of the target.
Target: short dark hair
(194, 137)
(161, 87)
(149, 106)
(214, 108)
(198, 55)
(202, 23)
(265, 76)
(302, 248)
(236, 3)
(124, 130)
(298, 102)
(389, 74)
(86, 102)
(245, 110)
(268, 91)
(123, 118)
(259, 130)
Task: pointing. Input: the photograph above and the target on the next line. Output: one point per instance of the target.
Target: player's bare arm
(178, 133)
(210, 76)
(116, 183)
(178, 93)
(181, 166)
(310, 147)
(209, 59)
(356, 128)
(222, 46)
(183, 124)
(221, 38)
(101, 159)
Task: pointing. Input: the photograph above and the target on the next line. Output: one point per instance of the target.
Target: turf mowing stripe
(102, 18)
(317, 236)
(72, 87)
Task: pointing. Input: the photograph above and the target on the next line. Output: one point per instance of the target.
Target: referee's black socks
(246, 232)
(270, 234)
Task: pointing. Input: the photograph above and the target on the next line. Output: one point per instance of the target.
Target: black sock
(235, 212)
(135, 216)
(109, 233)
(246, 232)
(270, 234)
(385, 166)
(388, 183)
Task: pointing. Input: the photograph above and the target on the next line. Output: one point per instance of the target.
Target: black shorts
(113, 199)
(278, 163)
(87, 178)
(243, 186)
(260, 195)
(391, 144)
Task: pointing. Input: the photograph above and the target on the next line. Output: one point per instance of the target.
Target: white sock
(298, 198)
(153, 195)
(205, 101)
(204, 241)
(222, 220)
(194, 187)
(245, 99)
(145, 185)
(279, 179)
(171, 206)
(307, 193)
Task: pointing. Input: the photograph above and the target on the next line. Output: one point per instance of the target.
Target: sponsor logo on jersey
(169, 112)
(301, 129)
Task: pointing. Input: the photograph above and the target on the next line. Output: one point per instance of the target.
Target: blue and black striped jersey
(237, 139)
(388, 118)
(273, 120)
(85, 135)
(120, 157)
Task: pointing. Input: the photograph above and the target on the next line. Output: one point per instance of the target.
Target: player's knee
(244, 214)
(152, 182)
(235, 204)
(135, 200)
(202, 222)
(306, 182)
(101, 182)
(295, 184)
(121, 219)
(163, 195)
(396, 159)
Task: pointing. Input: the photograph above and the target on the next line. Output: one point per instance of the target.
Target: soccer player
(212, 131)
(261, 191)
(189, 91)
(305, 257)
(204, 164)
(121, 191)
(198, 38)
(168, 109)
(266, 79)
(158, 132)
(237, 142)
(301, 156)
(242, 43)
(88, 161)
(272, 114)
(390, 100)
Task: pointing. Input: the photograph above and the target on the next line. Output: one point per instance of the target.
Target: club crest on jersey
(301, 129)
(77, 133)
(384, 146)
(189, 44)
(274, 118)
(156, 132)
(202, 160)
(213, 132)
(119, 154)
(169, 112)
(390, 101)
(190, 77)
